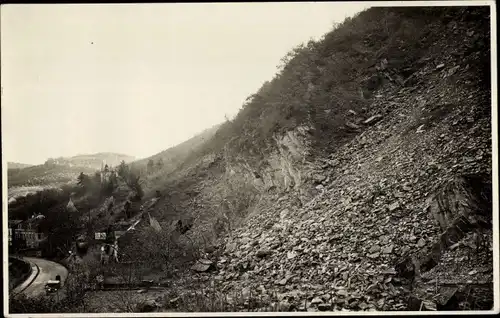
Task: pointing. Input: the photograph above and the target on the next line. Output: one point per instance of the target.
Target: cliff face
(283, 168)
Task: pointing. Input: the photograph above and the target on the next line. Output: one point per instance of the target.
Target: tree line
(153, 167)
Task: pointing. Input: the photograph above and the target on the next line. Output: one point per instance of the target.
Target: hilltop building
(106, 172)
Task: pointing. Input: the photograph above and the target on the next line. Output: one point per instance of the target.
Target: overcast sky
(137, 79)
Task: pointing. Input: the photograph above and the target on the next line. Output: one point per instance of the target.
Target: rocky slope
(370, 206)
(333, 241)
(313, 223)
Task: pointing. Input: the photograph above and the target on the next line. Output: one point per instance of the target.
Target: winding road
(43, 271)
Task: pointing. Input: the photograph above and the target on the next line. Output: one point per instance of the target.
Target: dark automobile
(53, 285)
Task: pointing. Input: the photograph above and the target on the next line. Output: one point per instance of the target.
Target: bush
(166, 248)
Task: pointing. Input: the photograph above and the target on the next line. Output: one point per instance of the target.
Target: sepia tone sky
(138, 79)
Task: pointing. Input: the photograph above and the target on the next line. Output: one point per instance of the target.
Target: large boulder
(370, 84)
(202, 265)
(462, 205)
(182, 226)
(372, 120)
(467, 196)
(149, 305)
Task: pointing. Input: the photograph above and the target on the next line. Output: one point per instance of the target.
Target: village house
(13, 225)
(27, 231)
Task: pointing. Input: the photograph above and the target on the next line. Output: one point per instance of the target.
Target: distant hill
(93, 161)
(63, 169)
(16, 165)
(46, 174)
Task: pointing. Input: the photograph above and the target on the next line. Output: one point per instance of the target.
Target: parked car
(53, 286)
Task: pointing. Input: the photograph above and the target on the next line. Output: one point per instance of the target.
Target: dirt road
(45, 270)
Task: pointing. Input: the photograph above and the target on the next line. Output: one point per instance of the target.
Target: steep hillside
(15, 165)
(364, 206)
(329, 92)
(317, 190)
(173, 159)
(179, 152)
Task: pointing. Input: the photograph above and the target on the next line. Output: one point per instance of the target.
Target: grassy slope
(174, 159)
(16, 165)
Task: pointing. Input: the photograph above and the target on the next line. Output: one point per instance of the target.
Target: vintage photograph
(258, 158)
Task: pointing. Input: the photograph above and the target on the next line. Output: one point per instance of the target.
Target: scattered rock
(230, 247)
(420, 129)
(202, 265)
(210, 249)
(285, 306)
(388, 249)
(453, 70)
(372, 120)
(284, 214)
(393, 206)
(263, 253)
(245, 292)
(282, 282)
(147, 306)
(374, 249)
(174, 300)
(374, 255)
(421, 243)
(384, 239)
(316, 300)
(352, 125)
(325, 307)
(406, 187)
(319, 178)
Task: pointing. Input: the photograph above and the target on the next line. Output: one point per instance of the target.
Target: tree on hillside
(151, 165)
(160, 164)
(110, 184)
(134, 181)
(131, 177)
(62, 224)
(84, 180)
(50, 162)
(123, 170)
(81, 179)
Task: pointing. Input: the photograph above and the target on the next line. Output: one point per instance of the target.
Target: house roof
(33, 221)
(15, 222)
